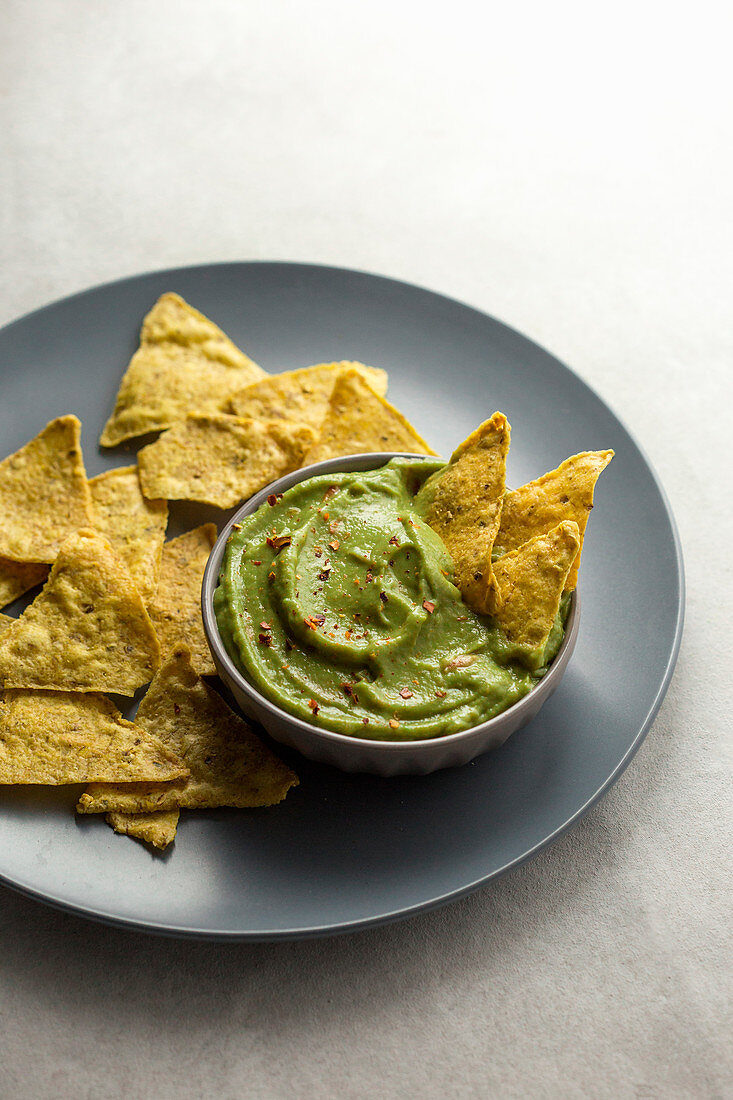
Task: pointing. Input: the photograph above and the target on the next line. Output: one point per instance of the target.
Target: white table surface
(567, 168)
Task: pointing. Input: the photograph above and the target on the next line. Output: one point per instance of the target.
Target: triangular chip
(564, 493)
(87, 630)
(462, 503)
(531, 580)
(221, 460)
(184, 364)
(17, 577)
(44, 494)
(134, 525)
(156, 829)
(298, 394)
(57, 737)
(176, 607)
(360, 420)
(229, 764)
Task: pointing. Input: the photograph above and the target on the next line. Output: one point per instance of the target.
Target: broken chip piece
(134, 525)
(229, 765)
(562, 494)
(185, 363)
(531, 580)
(56, 737)
(87, 630)
(462, 502)
(176, 607)
(158, 829)
(44, 494)
(359, 419)
(298, 394)
(221, 460)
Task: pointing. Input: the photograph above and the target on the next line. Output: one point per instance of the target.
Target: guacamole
(336, 601)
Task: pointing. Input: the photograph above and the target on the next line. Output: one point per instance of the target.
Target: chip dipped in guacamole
(337, 601)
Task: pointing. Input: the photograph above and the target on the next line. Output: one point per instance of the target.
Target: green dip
(336, 602)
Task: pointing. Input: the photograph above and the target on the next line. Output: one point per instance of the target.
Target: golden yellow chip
(184, 364)
(134, 525)
(531, 580)
(176, 607)
(221, 460)
(156, 829)
(5, 622)
(298, 394)
(229, 764)
(17, 577)
(88, 629)
(564, 493)
(44, 494)
(360, 420)
(462, 503)
(57, 737)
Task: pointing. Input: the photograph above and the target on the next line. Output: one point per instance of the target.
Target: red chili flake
(313, 705)
(324, 574)
(406, 693)
(394, 541)
(365, 721)
(349, 635)
(369, 576)
(349, 691)
(271, 576)
(257, 563)
(272, 499)
(325, 515)
(266, 626)
(264, 639)
(429, 606)
(334, 544)
(394, 724)
(314, 621)
(384, 597)
(440, 694)
(277, 542)
(318, 552)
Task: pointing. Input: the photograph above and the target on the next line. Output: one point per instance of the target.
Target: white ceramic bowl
(358, 754)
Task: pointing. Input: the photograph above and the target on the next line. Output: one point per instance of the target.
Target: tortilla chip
(229, 764)
(360, 420)
(44, 494)
(462, 503)
(17, 577)
(57, 737)
(531, 580)
(184, 364)
(5, 622)
(176, 607)
(156, 829)
(221, 460)
(134, 525)
(298, 394)
(564, 493)
(88, 629)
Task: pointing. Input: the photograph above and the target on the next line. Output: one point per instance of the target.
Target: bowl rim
(345, 464)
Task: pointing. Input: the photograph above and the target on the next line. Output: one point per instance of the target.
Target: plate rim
(105, 917)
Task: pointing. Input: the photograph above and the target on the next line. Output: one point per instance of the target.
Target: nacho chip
(184, 364)
(156, 829)
(531, 580)
(134, 525)
(564, 493)
(5, 622)
(221, 460)
(17, 577)
(359, 419)
(298, 394)
(229, 764)
(44, 494)
(88, 629)
(176, 607)
(57, 737)
(462, 503)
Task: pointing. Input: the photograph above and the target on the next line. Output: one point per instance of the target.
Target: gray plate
(344, 852)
